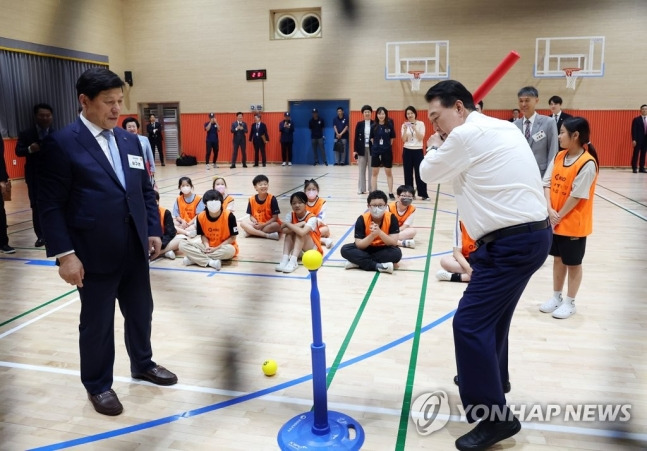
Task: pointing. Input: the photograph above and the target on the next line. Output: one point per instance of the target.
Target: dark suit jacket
(359, 144)
(83, 206)
(239, 133)
(638, 132)
(562, 117)
(25, 139)
(261, 132)
(152, 136)
(3, 167)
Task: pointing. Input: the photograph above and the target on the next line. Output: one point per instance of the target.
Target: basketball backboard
(553, 55)
(431, 58)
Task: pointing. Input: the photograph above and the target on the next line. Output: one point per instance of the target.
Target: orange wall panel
(18, 170)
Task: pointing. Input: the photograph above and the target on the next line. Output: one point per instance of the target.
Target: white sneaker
(283, 164)
(289, 163)
(328, 242)
(565, 310)
(290, 267)
(444, 275)
(411, 244)
(215, 166)
(350, 265)
(208, 166)
(551, 305)
(215, 264)
(170, 254)
(281, 266)
(273, 236)
(385, 267)
(186, 261)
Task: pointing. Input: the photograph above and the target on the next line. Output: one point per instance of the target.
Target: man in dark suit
(540, 131)
(555, 103)
(154, 130)
(239, 130)
(4, 180)
(258, 137)
(103, 225)
(639, 139)
(28, 146)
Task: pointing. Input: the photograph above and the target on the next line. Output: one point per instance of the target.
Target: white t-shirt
(494, 174)
(410, 134)
(312, 222)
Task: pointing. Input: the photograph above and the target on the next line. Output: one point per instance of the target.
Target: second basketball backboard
(553, 55)
(429, 58)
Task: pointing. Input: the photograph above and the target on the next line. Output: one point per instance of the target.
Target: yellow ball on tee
(312, 259)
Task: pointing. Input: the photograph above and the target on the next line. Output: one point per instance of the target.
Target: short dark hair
(643, 106)
(480, 104)
(555, 99)
(301, 195)
(412, 109)
(240, 112)
(95, 80)
(529, 91)
(260, 178)
(367, 107)
(377, 194)
(405, 189)
(42, 106)
(128, 120)
(517, 110)
(449, 92)
(211, 194)
(340, 108)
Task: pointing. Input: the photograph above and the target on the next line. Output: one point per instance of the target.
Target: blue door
(301, 112)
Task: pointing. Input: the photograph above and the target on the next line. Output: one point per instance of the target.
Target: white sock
(569, 300)
(557, 294)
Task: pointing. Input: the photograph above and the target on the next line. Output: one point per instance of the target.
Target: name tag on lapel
(136, 162)
(539, 135)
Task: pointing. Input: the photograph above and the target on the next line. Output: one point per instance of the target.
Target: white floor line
(33, 320)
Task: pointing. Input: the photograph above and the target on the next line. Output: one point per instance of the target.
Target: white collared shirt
(96, 132)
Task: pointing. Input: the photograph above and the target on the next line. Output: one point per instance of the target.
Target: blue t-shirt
(341, 124)
(316, 128)
(381, 134)
(212, 133)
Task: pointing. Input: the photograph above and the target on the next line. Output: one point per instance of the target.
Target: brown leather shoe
(106, 403)
(157, 375)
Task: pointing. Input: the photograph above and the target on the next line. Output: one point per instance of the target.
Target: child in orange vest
(301, 230)
(569, 186)
(186, 208)
(404, 211)
(456, 267)
(170, 238)
(217, 228)
(263, 210)
(318, 207)
(220, 185)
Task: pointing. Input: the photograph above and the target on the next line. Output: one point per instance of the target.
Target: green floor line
(413, 361)
(37, 307)
(351, 331)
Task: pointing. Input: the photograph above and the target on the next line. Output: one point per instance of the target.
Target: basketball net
(571, 76)
(415, 80)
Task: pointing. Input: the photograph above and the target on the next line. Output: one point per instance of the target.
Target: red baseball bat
(496, 75)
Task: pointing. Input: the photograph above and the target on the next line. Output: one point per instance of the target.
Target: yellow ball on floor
(312, 259)
(269, 367)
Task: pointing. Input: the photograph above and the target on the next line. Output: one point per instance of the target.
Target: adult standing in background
(500, 196)
(412, 134)
(362, 147)
(540, 131)
(639, 139)
(555, 104)
(103, 225)
(154, 130)
(212, 128)
(287, 138)
(4, 181)
(340, 126)
(131, 125)
(239, 131)
(28, 146)
(258, 137)
(316, 126)
(382, 136)
(515, 115)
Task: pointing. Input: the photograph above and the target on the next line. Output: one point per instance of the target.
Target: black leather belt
(513, 230)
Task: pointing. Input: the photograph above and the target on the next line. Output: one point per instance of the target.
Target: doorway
(169, 116)
(301, 112)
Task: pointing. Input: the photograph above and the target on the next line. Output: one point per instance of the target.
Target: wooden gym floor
(388, 337)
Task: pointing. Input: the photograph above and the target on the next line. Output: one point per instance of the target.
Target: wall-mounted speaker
(128, 77)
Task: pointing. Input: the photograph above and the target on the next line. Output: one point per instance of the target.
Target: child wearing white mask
(186, 208)
(301, 231)
(404, 212)
(217, 228)
(317, 206)
(220, 185)
(376, 238)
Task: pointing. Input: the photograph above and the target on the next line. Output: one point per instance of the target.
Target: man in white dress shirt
(500, 196)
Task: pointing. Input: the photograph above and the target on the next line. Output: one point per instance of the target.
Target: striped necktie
(527, 133)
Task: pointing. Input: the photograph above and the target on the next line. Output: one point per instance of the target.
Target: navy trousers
(501, 271)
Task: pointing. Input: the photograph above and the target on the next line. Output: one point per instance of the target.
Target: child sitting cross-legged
(301, 230)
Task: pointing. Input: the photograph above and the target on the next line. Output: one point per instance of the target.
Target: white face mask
(186, 189)
(221, 189)
(378, 212)
(214, 206)
(312, 194)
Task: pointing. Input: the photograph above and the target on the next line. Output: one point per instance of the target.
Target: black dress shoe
(233, 166)
(244, 165)
(642, 171)
(506, 385)
(39, 242)
(157, 375)
(254, 166)
(106, 403)
(487, 433)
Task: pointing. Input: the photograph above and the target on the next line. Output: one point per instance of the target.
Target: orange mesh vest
(469, 244)
(316, 208)
(162, 211)
(314, 234)
(408, 212)
(187, 211)
(226, 201)
(262, 212)
(386, 225)
(579, 221)
(216, 231)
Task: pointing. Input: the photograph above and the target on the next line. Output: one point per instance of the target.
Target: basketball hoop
(571, 76)
(415, 80)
